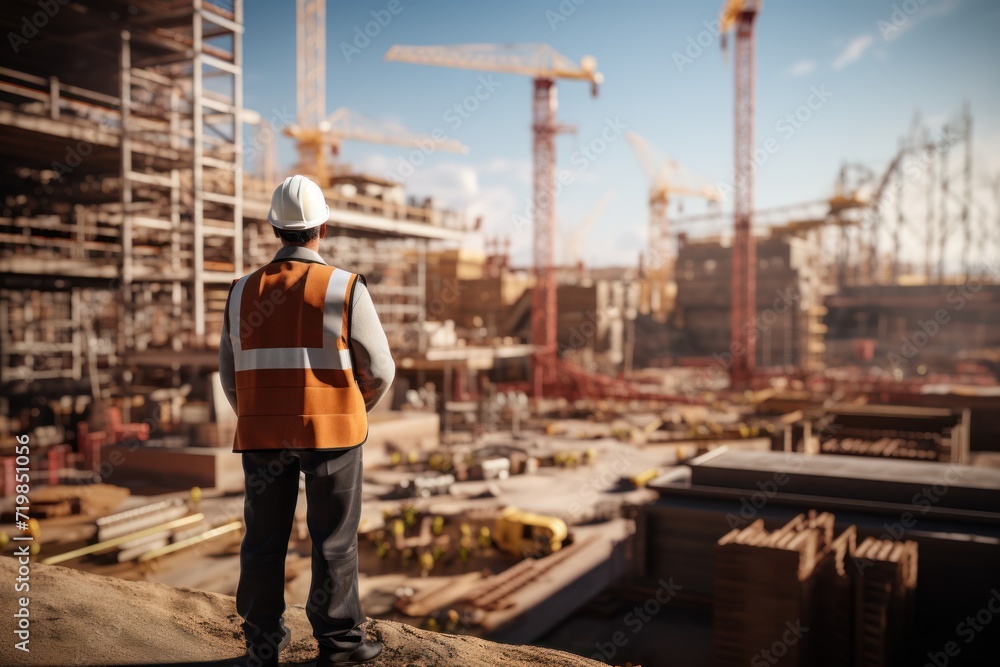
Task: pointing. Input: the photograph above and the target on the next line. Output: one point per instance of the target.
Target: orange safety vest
(289, 323)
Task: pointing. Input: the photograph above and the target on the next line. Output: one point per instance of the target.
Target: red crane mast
(740, 14)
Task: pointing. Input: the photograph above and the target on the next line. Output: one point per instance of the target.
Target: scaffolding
(923, 217)
(123, 216)
(192, 236)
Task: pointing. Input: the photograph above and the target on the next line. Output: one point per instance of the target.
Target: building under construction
(129, 212)
(560, 439)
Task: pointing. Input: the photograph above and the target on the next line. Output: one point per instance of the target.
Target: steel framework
(310, 77)
(543, 297)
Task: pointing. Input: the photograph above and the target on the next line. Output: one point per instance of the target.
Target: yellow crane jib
(539, 61)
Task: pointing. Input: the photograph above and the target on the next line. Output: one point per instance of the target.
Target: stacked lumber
(86, 499)
(883, 600)
(835, 591)
(765, 590)
(799, 595)
(898, 448)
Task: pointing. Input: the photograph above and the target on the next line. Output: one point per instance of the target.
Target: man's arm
(373, 365)
(227, 366)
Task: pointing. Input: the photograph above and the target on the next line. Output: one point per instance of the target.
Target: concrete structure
(790, 287)
(913, 330)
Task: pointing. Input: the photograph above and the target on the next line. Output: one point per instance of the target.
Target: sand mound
(84, 619)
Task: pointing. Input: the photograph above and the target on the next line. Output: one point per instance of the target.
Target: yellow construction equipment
(525, 533)
(640, 480)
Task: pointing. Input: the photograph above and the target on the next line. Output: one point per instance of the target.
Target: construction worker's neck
(311, 245)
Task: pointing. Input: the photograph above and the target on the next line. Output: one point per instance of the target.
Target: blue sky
(876, 63)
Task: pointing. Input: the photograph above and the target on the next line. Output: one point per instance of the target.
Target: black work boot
(266, 654)
(368, 650)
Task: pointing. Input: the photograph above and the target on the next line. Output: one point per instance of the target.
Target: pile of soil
(84, 619)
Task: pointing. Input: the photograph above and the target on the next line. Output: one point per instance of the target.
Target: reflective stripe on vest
(288, 324)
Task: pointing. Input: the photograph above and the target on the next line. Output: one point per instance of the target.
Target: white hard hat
(298, 204)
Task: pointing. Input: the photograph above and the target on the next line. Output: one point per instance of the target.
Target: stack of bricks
(800, 596)
(90, 442)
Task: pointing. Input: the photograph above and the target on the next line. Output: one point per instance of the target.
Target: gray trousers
(333, 511)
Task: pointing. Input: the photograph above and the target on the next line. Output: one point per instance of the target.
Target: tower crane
(318, 137)
(739, 15)
(666, 178)
(544, 65)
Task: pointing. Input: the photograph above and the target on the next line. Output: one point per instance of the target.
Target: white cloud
(899, 21)
(802, 67)
(460, 186)
(854, 50)
(451, 183)
(448, 181)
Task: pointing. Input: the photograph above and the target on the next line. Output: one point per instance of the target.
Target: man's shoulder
(358, 278)
(245, 276)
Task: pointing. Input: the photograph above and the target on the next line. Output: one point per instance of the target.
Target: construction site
(615, 462)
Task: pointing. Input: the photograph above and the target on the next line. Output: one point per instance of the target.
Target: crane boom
(669, 176)
(539, 61)
(644, 153)
(347, 124)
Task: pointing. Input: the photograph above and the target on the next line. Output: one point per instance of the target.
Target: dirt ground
(84, 619)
